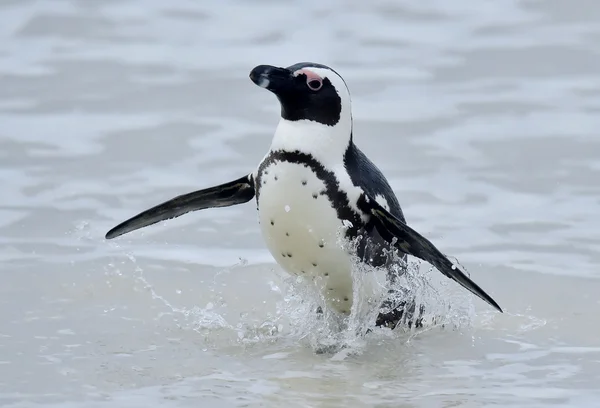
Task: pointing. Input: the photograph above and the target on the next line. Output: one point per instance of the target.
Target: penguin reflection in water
(313, 183)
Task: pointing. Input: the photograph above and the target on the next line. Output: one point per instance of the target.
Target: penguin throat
(326, 143)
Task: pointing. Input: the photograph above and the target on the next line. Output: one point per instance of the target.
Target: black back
(365, 174)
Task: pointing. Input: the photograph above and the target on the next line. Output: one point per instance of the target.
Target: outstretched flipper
(235, 192)
(411, 242)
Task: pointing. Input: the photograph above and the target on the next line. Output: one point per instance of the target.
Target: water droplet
(287, 208)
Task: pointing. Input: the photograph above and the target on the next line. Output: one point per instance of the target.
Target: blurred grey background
(484, 116)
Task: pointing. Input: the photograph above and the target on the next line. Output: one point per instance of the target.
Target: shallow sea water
(483, 115)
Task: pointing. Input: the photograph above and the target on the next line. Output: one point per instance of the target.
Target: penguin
(316, 191)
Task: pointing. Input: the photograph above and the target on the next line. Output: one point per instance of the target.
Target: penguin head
(306, 92)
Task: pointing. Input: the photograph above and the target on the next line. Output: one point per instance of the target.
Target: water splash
(301, 316)
(195, 318)
(444, 306)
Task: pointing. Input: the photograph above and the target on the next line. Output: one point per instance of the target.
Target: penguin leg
(224, 195)
(396, 312)
(409, 241)
(398, 307)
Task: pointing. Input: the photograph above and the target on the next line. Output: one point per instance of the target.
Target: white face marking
(313, 80)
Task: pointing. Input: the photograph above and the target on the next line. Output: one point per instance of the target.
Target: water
(483, 115)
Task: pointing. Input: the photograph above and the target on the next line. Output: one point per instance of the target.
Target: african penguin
(316, 190)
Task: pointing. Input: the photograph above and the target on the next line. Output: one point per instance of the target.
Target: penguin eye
(314, 84)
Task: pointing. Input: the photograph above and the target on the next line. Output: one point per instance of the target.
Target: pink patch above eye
(313, 81)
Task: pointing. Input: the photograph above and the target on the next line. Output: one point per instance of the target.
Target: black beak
(272, 78)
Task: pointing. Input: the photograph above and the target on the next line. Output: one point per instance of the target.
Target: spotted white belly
(302, 231)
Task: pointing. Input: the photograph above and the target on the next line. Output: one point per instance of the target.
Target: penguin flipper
(224, 195)
(411, 242)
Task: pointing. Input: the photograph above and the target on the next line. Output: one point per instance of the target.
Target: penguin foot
(319, 312)
(329, 348)
(403, 313)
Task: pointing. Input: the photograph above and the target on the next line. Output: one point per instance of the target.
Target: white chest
(302, 230)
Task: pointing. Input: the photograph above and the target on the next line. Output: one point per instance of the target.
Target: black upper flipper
(411, 242)
(235, 192)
